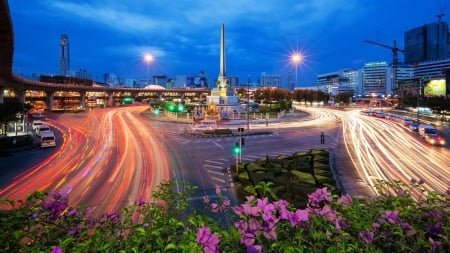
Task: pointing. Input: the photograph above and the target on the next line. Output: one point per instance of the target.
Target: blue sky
(110, 36)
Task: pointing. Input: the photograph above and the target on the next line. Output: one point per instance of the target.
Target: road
(387, 150)
(109, 159)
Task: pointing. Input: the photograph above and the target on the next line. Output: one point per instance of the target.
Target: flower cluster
(221, 205)
(54, 207)
(208, 240)
(260, 217)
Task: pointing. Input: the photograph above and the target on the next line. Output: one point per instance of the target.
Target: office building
(347, 80)
(64, 55)
(427, 42)
(432, 69)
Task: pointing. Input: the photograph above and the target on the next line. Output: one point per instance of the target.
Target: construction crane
(395, 51)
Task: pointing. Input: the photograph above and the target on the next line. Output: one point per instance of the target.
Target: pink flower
(248, 239)
(318, 197)
(298, 216)
(391, 217)
(367, 236)
(205, 199)
(218, 192)
(329, 214)
(254, 249)
(214, 207)
(57, 249)
(208, 240)
(345, 200)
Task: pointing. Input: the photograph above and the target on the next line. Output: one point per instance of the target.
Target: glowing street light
(148, 58)
(296, 59)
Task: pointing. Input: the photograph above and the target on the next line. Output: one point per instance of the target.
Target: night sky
(110, 36)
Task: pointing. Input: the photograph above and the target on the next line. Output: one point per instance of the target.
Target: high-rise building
(376, 79)
(64, 55)
(427, 42)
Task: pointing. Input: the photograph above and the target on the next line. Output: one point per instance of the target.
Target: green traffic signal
(171, 107)
(180, 108)
(236, 149)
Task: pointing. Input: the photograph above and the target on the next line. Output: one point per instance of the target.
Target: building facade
(432, 69)
(375, 78)
(270, 80)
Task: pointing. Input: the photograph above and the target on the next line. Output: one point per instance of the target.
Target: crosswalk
(219, 169)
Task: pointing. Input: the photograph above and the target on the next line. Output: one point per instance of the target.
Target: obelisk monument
(222, 96)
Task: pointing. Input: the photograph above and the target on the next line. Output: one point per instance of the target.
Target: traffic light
(180, 107)
(171, 107)
(237, 149)
(242, 141)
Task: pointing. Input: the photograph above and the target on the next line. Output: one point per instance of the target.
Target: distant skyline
(184, 36)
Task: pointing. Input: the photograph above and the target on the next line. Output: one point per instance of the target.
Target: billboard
(435, 88)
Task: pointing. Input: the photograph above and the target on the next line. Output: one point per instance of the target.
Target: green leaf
(170, 246)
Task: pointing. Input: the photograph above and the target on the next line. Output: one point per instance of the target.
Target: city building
(347, 80)
(160, 80)
(290, 81)
(427, 42)
(375, 78)
(83, 74)
(64, 55)
(270, 80)
(112, 80)
(432, 69)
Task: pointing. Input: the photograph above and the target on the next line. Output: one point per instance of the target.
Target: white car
(48, 140)
(42, 129)
(36, 124)
(201, 127)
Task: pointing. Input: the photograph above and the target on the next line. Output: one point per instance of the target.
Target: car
(436, 140)
(35, 124)
(42, 129)
(201, 127)
(48, 140)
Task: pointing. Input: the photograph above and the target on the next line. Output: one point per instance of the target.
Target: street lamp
(248, 103)
(296, 59)
(148, 58)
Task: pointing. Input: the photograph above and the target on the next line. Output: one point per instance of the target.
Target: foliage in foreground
(391, 221)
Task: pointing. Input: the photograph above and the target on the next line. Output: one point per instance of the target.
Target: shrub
(400, 218)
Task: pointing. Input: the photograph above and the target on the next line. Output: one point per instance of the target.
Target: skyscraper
(427, 43)
(64, 55)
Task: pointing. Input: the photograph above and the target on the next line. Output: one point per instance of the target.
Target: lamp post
(248, 103)
(296, 59)
(148, 58)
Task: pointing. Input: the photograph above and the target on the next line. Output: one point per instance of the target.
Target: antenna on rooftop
(441, 13)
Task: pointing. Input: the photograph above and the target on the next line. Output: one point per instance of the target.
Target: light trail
(108, 160)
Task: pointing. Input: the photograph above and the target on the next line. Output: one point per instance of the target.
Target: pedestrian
(322, 138)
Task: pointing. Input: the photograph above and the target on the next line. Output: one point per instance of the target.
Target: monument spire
(222, 72)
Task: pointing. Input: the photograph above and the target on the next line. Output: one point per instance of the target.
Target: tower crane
(395, 51)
